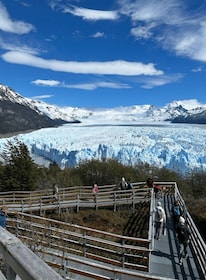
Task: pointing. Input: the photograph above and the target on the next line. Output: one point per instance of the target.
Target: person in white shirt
(160, 220)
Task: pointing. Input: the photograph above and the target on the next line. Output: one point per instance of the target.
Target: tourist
(176, 213)
(55, 191)
(95, 190)
(183, 236)
(3, 215)
(160, 220)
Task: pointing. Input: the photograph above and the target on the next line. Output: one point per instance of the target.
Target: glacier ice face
(177, 147)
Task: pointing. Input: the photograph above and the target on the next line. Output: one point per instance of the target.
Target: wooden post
(115, 205)
(123, 253)
(59, 207)
(96, 204)
(84, 244)
(133, 200)
(40, 208)
(50, 234)
(77, 203)
(65, 268)
(22, 205)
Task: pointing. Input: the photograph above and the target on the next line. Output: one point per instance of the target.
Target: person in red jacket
(95, 190)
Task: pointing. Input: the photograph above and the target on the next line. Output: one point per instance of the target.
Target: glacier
(130, 135)
(178, 147)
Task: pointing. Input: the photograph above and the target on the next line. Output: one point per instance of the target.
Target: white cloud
(45, 96)
(151, 82)
(16, 46)
(142, 32)
(198, 69)
(93, 86)
(46, 82)
(190, 41)
(148, 11)
(13, 26)
(83, 86)
(117, 67)
(89, 14)
(172, 24)
(98, 35)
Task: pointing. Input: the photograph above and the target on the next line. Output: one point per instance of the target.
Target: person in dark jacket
(3, 215)
(176, 213)
(183, 235)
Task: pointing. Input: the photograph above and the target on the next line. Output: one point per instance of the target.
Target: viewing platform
(77, 252)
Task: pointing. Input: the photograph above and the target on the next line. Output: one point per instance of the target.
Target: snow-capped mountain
(18, 114)
(8, 94)
(130, 135)
(132, 114)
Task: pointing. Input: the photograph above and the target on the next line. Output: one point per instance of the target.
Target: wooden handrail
(56, 234)
(23, 262)
(77, 232)
(114, 198)
(197, 243)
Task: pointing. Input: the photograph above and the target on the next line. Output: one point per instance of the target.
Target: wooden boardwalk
(164, 259)
(163, 254)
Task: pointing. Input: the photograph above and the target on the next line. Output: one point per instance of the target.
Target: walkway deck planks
(164, 258)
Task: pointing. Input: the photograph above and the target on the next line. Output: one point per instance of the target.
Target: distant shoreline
(8, 135)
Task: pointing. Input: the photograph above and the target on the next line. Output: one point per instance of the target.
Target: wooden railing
(49, 238)
(21, 261)
(58, 243)
(197, 243)
(70, 193)
(38, 202)
(92, 270)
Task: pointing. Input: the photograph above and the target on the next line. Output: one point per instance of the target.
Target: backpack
(130, 186)
(159, 214)
(183, 233)
(176, 210)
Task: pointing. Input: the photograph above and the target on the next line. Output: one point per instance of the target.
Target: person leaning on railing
(3, 215)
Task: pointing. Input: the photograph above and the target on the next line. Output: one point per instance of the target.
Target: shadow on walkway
(165, 256)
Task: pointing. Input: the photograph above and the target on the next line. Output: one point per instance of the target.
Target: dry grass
(125, 221)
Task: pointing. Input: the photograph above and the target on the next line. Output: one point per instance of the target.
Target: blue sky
(101, 54)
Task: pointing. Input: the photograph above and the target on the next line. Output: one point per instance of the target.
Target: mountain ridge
(18, 113)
